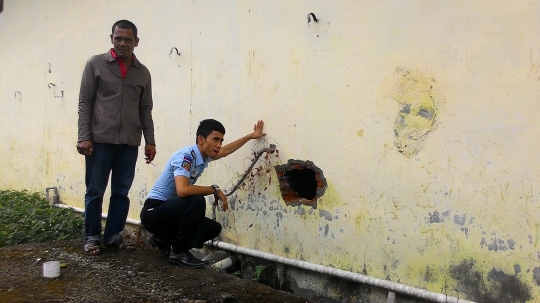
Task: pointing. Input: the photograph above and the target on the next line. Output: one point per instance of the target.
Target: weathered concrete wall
(422, 116)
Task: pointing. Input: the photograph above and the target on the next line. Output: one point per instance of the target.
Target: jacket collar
(109, 57)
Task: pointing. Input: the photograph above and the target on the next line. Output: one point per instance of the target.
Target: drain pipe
(57, 203)
(216, 256)
(104, 216)
(225, 263)
(347, 275)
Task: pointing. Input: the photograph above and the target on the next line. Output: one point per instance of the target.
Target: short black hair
(206, 127)
(125, 24)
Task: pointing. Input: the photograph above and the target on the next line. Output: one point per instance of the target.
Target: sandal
(120, 244)
(92, 248)
(161, 244)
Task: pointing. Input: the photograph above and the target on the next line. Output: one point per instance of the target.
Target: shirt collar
(198, 156)
(111, 56)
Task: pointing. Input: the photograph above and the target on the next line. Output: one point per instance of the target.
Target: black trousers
(181, 222)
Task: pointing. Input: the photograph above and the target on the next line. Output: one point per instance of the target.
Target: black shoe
(164, 246)
(195, 260)
(183, 260)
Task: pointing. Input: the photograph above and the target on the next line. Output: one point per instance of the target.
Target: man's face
(124, 42)
(210, 145)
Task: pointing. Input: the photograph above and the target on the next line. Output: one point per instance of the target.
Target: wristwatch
(216, 188)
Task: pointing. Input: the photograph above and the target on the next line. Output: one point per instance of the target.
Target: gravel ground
(143, 275)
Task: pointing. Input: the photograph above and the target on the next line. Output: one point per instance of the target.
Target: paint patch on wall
(417, 97)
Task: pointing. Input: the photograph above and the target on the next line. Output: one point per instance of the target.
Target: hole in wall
(300, 182)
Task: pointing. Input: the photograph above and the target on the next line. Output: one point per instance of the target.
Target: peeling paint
(536, 275)
(497, 244)
(517, 269)
(325, 214)
(417, 97)
(279, 217)
(460, 219)
(435, 218)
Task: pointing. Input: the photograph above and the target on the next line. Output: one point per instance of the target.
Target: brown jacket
(112, 110)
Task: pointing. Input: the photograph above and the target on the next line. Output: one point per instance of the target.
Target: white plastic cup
(51, 269)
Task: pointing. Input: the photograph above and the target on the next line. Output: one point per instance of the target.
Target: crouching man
(175, 209)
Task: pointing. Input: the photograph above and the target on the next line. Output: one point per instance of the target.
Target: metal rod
(271, 149)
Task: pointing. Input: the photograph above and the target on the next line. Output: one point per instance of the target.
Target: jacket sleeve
(145, 112)
(87, 96)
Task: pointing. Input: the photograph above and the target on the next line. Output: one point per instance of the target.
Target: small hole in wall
(300, 182)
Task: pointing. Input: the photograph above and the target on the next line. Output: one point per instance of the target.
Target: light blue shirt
(187, 162)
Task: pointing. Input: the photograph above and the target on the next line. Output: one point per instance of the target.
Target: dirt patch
(143, 275)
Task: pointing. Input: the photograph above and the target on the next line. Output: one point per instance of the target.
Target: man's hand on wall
(258, 130)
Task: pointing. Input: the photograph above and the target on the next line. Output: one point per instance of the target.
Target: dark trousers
(119, 160)
(181, 222)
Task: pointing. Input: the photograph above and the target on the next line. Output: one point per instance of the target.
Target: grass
(28, 218)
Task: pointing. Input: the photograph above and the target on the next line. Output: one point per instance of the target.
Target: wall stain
(325, 214)
(255, 68)
(497, 244)
(460, 219)
(495, 287)
(535, 67)
(435, 217)
(536, 275)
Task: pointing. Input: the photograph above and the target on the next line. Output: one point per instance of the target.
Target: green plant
(28, 218)
(258, 271)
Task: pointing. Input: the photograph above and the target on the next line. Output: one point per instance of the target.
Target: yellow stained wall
(422, 115)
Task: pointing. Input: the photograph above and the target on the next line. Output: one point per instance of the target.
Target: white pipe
(104, 216)
(392, 286)
(216, 256)
(225, 263)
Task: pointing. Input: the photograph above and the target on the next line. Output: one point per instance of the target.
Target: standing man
(175, 209)
(115, 108)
